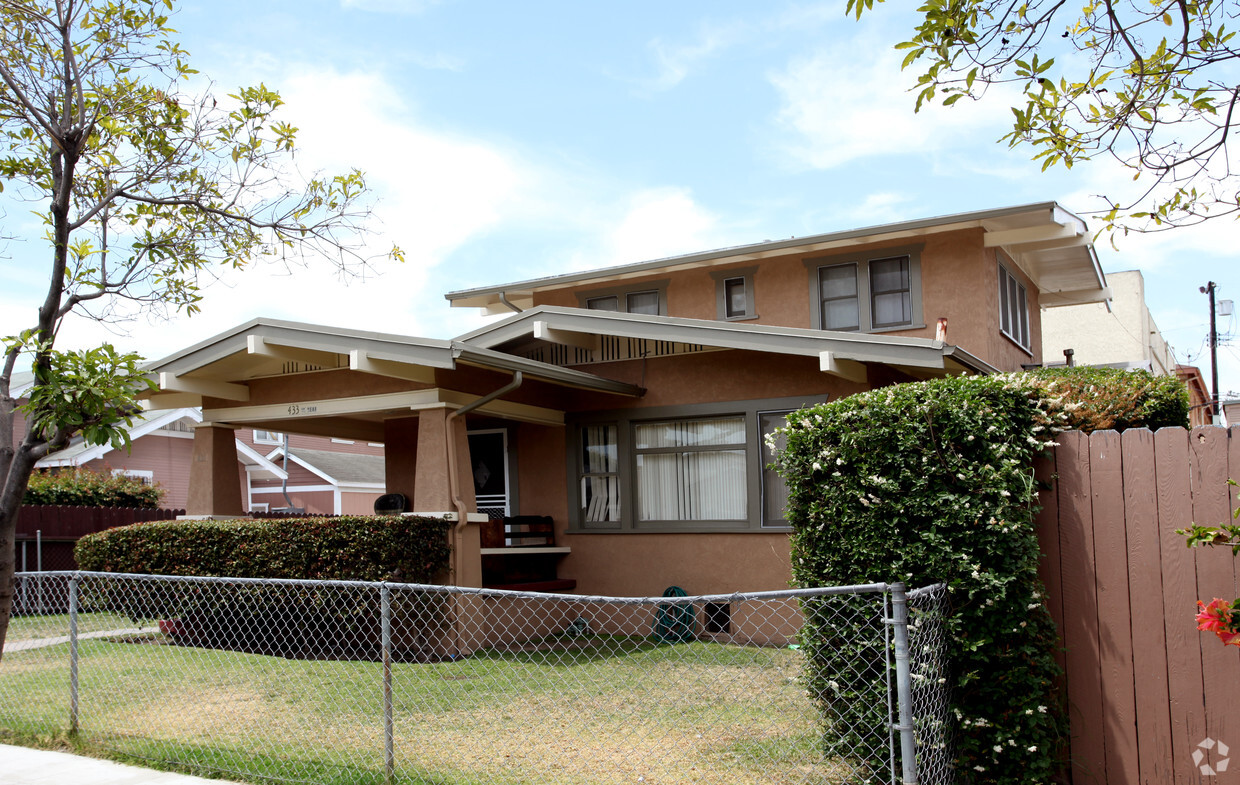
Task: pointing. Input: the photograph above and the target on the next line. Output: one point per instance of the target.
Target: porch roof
(838, 352)
(1051, 244)
(221, 369)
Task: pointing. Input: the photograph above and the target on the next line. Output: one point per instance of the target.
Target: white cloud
(649, 224)
(674, 61)
(848, 103)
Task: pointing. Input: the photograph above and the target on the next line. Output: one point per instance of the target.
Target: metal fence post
(385, 612)
(38, 561)
(73, 655)
(23, 587)
(904, 685)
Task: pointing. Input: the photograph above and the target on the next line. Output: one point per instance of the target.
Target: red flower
(1216, 618)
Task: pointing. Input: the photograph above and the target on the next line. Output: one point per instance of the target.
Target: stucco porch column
(400, 456)
(432, 491)
(214, 485)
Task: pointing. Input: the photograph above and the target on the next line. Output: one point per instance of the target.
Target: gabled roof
(20, 382)
(264, 347)
(79, 452)
(580, 327)
(1052, 245)
(338, 468)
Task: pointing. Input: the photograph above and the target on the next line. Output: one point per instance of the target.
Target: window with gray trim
(774, 489)
(1013, 308)
(877, 293)
(734, 298)
(648, 298)
(687, 468)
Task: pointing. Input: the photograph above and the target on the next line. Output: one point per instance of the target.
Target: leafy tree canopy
(1151, 84)
(146, 187)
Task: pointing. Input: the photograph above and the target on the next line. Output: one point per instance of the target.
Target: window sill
(744, 318)
(1014, 342)
(896, 328)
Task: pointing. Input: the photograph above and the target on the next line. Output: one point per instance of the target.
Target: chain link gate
(350, 682)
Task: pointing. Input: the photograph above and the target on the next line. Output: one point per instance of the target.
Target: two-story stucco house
(628, 404)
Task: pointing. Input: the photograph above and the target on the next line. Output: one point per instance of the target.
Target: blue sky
(511, 140)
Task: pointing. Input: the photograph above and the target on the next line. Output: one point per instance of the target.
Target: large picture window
(691, 470)
(700, 467)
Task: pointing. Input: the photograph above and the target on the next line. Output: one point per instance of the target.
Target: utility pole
(1209, 289)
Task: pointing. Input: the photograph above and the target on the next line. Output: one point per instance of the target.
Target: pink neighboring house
(324, 475)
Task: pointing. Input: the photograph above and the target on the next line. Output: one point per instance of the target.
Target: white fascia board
(295, 489)
(137, 432)
(252, 454)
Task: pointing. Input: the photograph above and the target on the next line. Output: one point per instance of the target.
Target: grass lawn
(620, 710)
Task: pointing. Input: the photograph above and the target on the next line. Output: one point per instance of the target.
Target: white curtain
(701, 484)
(600, 487)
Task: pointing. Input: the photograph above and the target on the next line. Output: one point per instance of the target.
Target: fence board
(1145, 589)
(1114, 629)
(1050, 570)
(1179, 598)
(1215, 578)
(1081, 624)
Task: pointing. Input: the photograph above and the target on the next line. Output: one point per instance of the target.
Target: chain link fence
(343, 682)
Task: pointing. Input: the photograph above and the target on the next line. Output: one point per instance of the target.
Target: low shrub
(84, 488)
(299, 621)
(359, 548)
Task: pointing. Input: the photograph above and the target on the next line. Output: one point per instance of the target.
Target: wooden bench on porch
(519, 554)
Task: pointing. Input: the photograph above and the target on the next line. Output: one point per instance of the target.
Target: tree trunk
(10, 505)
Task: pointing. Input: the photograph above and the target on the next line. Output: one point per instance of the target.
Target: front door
(488, 455)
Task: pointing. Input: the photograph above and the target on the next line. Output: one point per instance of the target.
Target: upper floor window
(734, 294)
(268, 437)
(650, 298)
(1013, 308)
(869, 294)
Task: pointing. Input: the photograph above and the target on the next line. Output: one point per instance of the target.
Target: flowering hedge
(84, 488)
(363, 548)
(933, 482)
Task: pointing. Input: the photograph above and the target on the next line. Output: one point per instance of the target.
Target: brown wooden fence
(58, 528)
(1144, 687)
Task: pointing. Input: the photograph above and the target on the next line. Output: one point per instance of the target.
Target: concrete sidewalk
(24, 766)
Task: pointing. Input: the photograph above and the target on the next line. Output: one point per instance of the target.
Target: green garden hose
(675, 623)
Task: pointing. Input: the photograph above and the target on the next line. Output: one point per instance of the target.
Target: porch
(448, 415)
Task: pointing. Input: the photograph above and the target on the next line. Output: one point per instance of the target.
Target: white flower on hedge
(998, 748)
(1033, 748)
(1042, 709)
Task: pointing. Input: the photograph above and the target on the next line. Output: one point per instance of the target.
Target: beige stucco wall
(960, 282)
(1124, 333)
(636, 564)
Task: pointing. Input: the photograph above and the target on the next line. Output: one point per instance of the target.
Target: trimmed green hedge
(84, 488)
(933, 481)
(362, 548)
